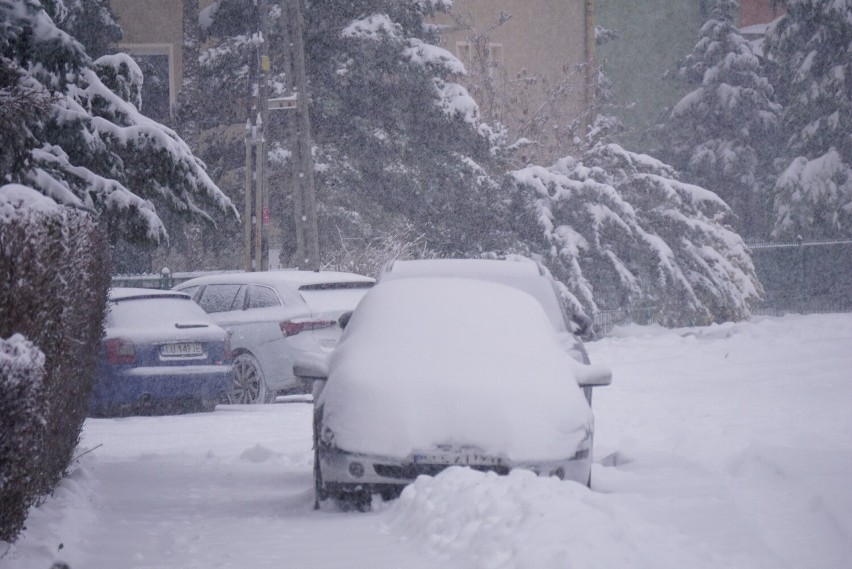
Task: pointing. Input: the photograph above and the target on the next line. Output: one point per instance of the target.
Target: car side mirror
(593, 375)
(311, 367)
(582, 326)
(344, 319)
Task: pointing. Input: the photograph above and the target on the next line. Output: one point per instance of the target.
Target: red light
(293, 327)
(228, 355)
(120, 351)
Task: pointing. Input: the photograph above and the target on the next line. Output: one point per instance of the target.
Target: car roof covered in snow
(291, 278)
(123, 293)
(471, 268)
(518, 272)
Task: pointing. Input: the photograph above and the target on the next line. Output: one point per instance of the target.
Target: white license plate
(182, 349)
(465, 459)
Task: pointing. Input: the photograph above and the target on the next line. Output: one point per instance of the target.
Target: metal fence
(803, 277)
(165, 279)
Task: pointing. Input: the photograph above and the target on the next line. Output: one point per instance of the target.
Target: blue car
(160, 353)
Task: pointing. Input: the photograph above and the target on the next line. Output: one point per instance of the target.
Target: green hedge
(54, 277)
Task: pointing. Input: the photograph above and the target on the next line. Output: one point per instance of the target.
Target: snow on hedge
(17, 200)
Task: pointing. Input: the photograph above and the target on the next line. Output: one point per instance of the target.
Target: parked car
(519, 272)
(273, 316)
(160, 352)
(432, 372)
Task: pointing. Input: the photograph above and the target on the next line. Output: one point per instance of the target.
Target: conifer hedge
(54, 277)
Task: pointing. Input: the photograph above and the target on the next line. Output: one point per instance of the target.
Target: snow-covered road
(728, 446)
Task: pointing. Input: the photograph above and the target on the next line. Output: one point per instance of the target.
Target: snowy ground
(720, 447)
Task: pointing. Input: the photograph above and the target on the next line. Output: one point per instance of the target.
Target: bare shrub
(367, 256)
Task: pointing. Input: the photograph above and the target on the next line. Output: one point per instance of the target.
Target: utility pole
(262, 196)
(247, 212)
(299, 135)
(307, 254)
(257, 217)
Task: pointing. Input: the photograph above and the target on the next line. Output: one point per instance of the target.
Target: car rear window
(262, 297)
(330, 297)
(150, 312)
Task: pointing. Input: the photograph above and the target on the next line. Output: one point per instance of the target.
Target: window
(218, 297)
(240, 300)
(262, 297)
(472, 58)
(189, 290)
(155, 88)
(159, 88)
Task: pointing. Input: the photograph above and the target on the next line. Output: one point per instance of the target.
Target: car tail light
(293, 327)
(120, 351)
(228, 355)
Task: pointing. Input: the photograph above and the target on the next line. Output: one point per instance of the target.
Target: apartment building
(540, 41)
(530, 66)
(153, 35)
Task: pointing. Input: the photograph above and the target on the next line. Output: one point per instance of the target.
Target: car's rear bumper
(129, 386)
(343, 470)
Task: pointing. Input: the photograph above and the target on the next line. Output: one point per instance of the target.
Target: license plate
(462, 459)
(182, 349)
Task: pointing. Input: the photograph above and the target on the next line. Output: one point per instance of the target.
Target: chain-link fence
(804, 277)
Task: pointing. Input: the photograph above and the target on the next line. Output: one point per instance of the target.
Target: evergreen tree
(722, 135)
(811, 48)
(620, 230)
(399, 145)
(91, 22)
(88, 146)
(394, 128)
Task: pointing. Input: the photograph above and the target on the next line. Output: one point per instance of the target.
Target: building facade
(153, 35)
(530, 67)
(653, 35)
(541, 43)
(757, 12)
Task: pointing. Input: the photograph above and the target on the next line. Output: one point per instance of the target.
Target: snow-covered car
(432, 372)
(160, 352)
(272, 317)
(519, 272)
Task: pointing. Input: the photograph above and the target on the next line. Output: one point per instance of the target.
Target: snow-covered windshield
(154, 312)
(522, 275)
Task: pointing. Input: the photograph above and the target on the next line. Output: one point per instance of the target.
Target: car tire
(320, 494)
(249, 384)
(359, 500)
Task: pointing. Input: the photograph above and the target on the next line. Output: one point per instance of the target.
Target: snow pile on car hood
(438, 361)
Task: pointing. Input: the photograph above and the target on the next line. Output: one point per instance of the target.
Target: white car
(435, 372)
(520, 273)
(272, 316)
